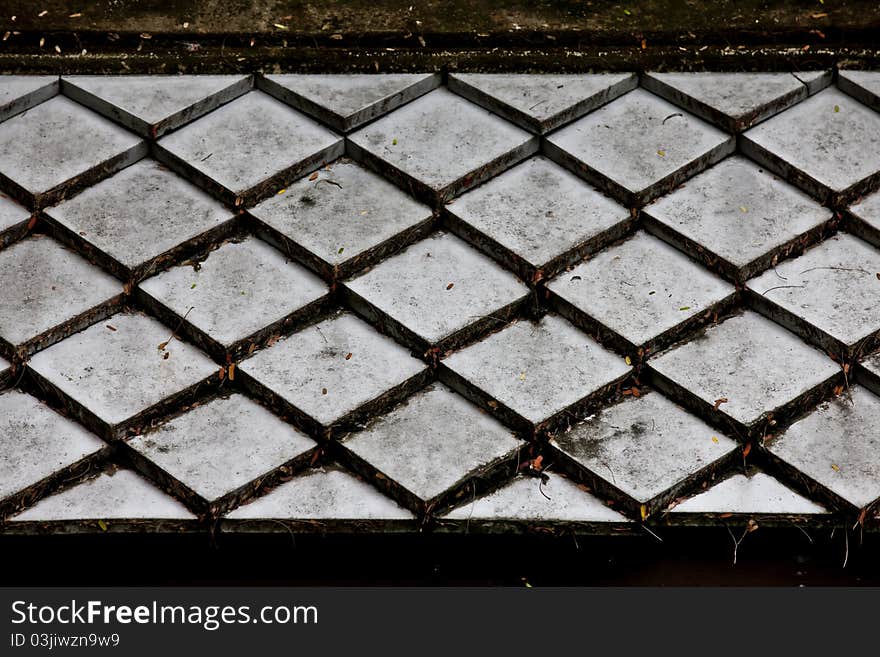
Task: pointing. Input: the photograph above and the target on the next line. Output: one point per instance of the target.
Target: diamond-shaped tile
(438, 292)
(829, 145)
(58, 147)
(861, 85)
(541, 102)
(441, 145)
(334, 373)
(866, 222)
(838, 446)
(343, 220)
(152, 105)
(526, 503)
(140, 220)
(240, 294)
(745, 369)
(223, 450)
(753, 494)
(49, 292)
(249, 148)
(537, 217)
(737, 218)
(535, 374)
(325, 499)
(829, 295)
(122, 371)
(13, 221)
(638, 147)
(38, 449)
(648, 448)
(22, 92)
(640, 295)
(431, 446)
(346, 101)
(114, 501)
(736, 101)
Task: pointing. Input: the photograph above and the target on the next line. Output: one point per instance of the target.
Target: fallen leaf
(314, 176)
(348, 356)
(450, 286)
(715, 439)
(522, 376)
(718, 402)
(747, 449)
(281, 191)
(341, 249)
(685, 308)
(661, 153)
(627, 360)
(643, 511)
(323, 391)
(33, 222)
(222, 373)
(102, 525)
(835, 467)
(394, 142)
(192, 287)
(836, 108)
(232, 372)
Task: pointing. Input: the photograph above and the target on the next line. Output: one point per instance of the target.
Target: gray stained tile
(539, 371)
(641, 294)
(22, 92)
(838, 446)
(647, 447)
(441, 145)
(240, 294)
(754, 494)
(830, 295)
(249, 148)
(343, 220)
(438, 292)
(737, 218)
(222, 448)
(13, 221)
(38, 445)
(328, 372)
(538, 218)
(829, 145)
(140, 220)
(49, 292)
(117, 371)
(432, 444)
(152, 105)
(76, 147)
(736, 101)
(638, 147)
(114, 501)
(759, 368)
(321, 500)
(864, 86)
(867, 219)
(523, 501)
(541, 102)
(348, 100)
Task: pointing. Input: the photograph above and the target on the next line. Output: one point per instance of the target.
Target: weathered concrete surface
(830, 294)
(239, 291)
(11, 215)
(539, 216)
(861, 85)
(249, 148)
(345, 219)
(153, 105)
(221, 446)
(136, 220)
(838, 446)
(35, 275)
(754, 494)
(441, 144)
(736, 101)
(642, 290)
(436, 289)
(638, 146)
(432, 443)
(867, 213)
(22, 92)
(737, 218)
(76, 147)
(541, 103)
(347, 101)
(828, 145)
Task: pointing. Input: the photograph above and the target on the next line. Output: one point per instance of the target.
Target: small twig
(652, 533)
(671, 116)
(162, 345)
(780, 287)
(328, 181)
(862, 271)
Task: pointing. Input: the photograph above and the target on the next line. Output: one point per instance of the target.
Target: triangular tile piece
(736, 101)
(346, 101)
(558, 500)
(152, 105)
(541, 103)
(861, 85)
(21, 92)
(756, 494)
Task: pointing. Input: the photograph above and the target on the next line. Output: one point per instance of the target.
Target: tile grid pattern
(527, 300)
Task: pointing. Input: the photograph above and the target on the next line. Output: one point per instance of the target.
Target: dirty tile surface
(421, 303)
